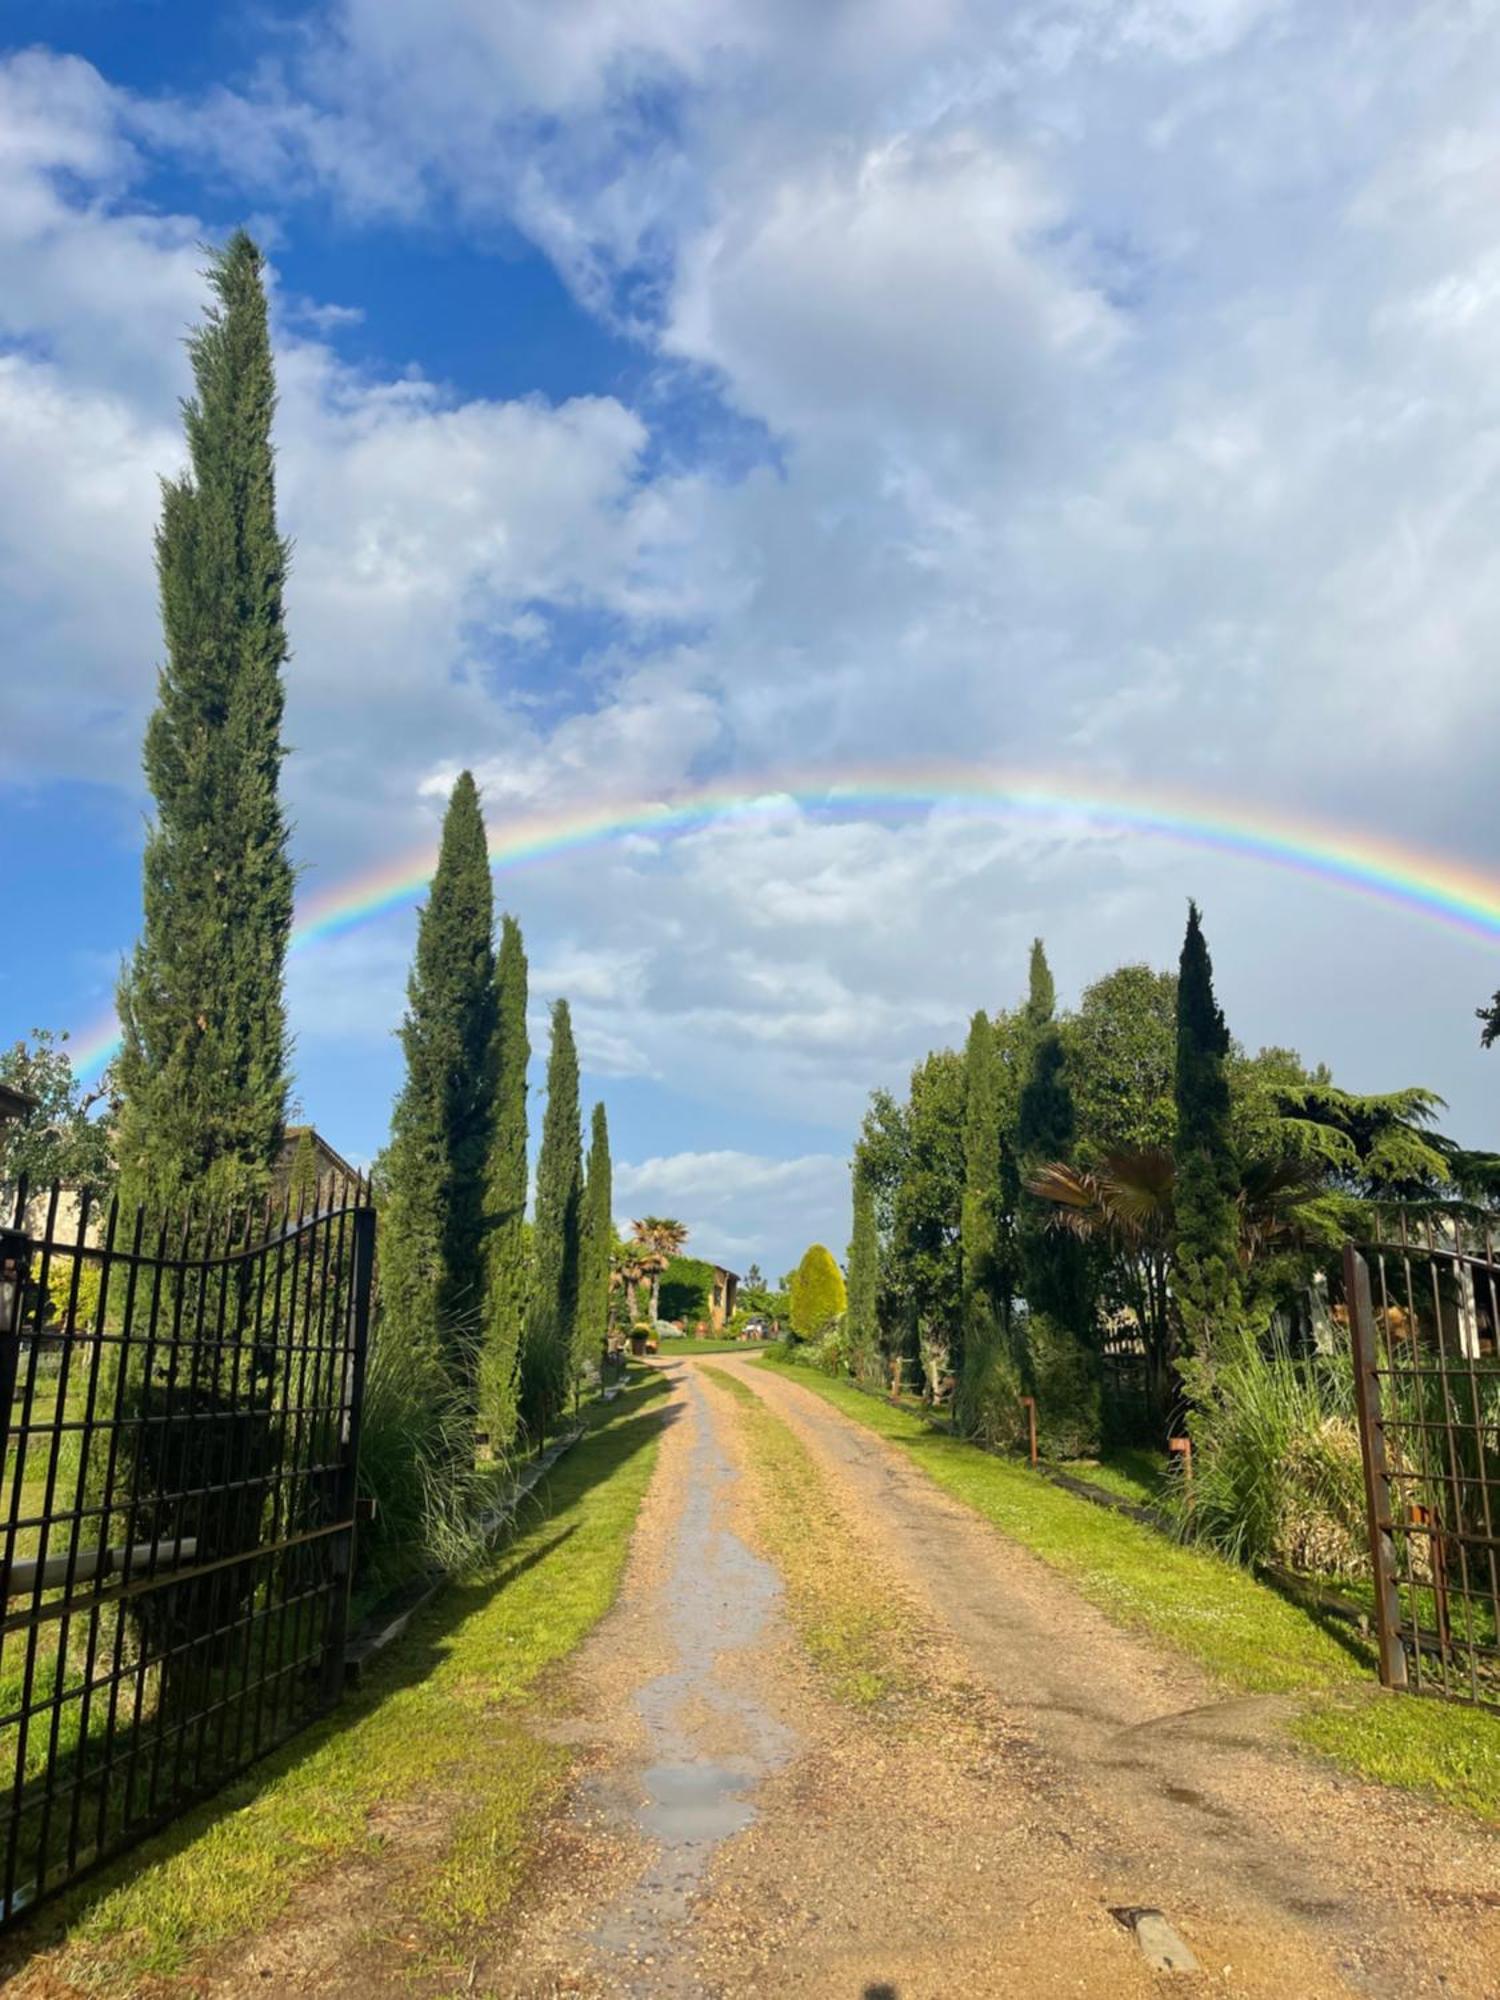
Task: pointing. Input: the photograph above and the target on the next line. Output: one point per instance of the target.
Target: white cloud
(793, 1202)
(1128, 376)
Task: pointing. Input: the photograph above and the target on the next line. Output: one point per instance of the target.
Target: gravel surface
(733, 1830)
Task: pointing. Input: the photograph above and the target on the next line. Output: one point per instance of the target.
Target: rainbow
(1425, 884)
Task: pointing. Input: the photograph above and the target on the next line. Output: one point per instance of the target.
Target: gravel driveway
(740, 1832)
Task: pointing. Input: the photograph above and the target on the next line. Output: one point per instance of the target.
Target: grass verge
(687, 1343)
(440, 1718)
(1241, 1630)
(863, 1640)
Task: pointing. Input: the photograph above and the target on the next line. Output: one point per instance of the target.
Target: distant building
(723, 1297)
(334, 1177)
(14, 1103)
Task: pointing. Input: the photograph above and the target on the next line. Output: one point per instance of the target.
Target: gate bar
(1378, 1515)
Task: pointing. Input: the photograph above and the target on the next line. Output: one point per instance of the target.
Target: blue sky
(711, 389)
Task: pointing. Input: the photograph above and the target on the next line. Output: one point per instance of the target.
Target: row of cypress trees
(514, 1314)
(510, 1311)
(1027, 1289)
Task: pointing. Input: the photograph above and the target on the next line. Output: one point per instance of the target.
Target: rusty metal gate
(177, 1496)
(1424, 1309)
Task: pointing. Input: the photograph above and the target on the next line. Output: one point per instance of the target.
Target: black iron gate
(1424, 1310)
(177, 1495)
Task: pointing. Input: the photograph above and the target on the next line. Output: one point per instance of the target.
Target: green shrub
(828, 1352)
(1276, 1461)
(987, 1402)
(1063, 1375)
(818, 1296)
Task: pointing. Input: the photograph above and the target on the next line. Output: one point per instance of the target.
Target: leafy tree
(1490, 1033)
(507, 1257)
(598, 1242)
(61, 1140)
(203, 1061)
(818, 1294)
(433, 1223)
(928, 1206)
(864, 1279)
(753, 1281)
(1121, 1061)
(546, 1352)
(1206, 1273)
(762, 1302)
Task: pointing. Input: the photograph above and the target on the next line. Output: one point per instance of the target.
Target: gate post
(1378, 1516)
(346, 1497)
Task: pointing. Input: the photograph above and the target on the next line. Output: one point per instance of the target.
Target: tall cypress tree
(433, 1222)
(981, 1218)
(861, 1321)
(1041, 989)
(203, 1061)
(1055, 1274)
(508, 1257)
(1206, 1272)
(592, 1326)
(546, 1351)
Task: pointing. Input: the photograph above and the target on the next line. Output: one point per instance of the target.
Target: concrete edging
(386, 1623)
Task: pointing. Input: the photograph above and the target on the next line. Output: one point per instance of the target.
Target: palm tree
(661, 1238)
(1126, 1203)
(628, 1271)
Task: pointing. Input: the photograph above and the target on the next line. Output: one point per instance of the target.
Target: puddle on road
(697, 1791)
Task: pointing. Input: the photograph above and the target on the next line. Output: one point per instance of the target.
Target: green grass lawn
(442, 1716)
(685, 1343)
(1241, 1630)
(1130, 1472)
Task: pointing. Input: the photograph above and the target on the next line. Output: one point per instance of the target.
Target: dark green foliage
(302, 1181)
(862, 1330)
(60, 1140)
(1206, 1273)
(919, 1149)
(596, 1249)
(686, 1291)
(1489, 1034)
(547, 1347)
(818, 1295)
(432, 1237)
(507, 1255)
(203, 1062)
(1122, 1059)
(1041, 989)
(1062, 1373)
(985, 1280)
(1055, 1268)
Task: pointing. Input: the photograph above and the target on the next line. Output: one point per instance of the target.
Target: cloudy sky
(690, 392)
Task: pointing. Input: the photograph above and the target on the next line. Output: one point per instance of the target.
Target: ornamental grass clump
(416, 1462)
(1276, 1462)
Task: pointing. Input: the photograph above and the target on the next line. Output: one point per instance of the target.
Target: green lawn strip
(1241, 1630)
(443, 1712)
(686, 1343)
(863, 1641)
(1130, 1472)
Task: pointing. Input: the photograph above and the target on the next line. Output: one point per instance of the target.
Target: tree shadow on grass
(616, 1432)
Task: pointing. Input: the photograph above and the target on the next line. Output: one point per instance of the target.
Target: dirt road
(743, 1832)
